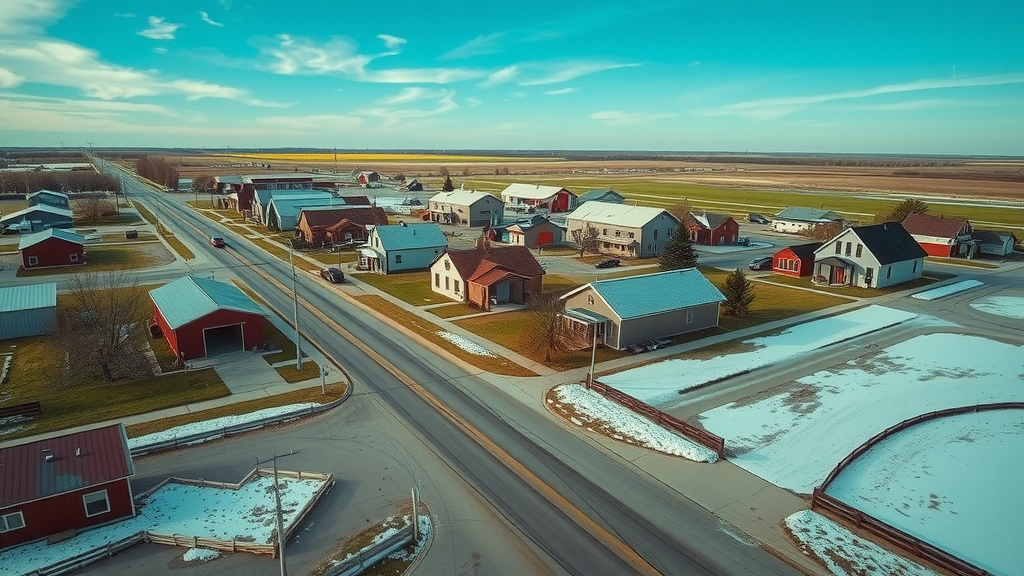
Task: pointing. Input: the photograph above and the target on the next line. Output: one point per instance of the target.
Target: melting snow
(1008, 306)
(214, 426)
(943, 291)
(466, 344)
(200, 555)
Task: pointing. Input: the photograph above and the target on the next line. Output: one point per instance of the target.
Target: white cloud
(197, 89)
(473, 102)
(392, 115)
(23, 16)
(316, 122)
(159, 29)
(392, 43)
(9, 79)
(561, 91)
(618, 118)
(206, 18)
(412, 94)
(160, 50)
(556, 72)
(482, 44)
(124, 15)
(501, 76)
(268, 104)
(773, 108)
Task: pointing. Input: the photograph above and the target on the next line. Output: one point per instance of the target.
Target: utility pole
(280, 522)
(295, 309)
(593, 355)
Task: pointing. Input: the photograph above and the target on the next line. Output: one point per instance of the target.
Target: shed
(941, 236)
(201, 318)
(796, 260)
(710, 229)
(50, 198)
(66, 483)
(796, 219)
(551, 198)
(52, 247)
(534, 233)
(41, 216)
(28, 310)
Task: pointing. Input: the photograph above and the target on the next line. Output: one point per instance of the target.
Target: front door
(839, 275)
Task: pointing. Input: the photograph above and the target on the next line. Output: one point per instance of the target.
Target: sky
(907, 77)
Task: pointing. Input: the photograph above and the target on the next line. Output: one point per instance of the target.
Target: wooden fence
(27, 409)
(703, 437)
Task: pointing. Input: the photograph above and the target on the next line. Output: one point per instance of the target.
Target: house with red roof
(709, 229)
(796, 260)
(487, 275)
(60, 485)
(941, 236)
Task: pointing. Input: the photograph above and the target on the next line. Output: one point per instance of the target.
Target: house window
(398, 258)
(456, 286)
(888, 272)
(590, 299)
(447, 281)
(74, 256)
(96, 503)
(437, 279)
(839, 248)
(860, 248)
(849, 246)
(869, 275)
(33, 260)
(12, 521)
(618, 233)
(689, 316)
(604, 231)
(655, 234)
(915, 267)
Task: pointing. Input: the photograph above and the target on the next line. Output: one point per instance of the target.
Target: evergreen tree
(679, 252)
(447, 186)
(739, 294)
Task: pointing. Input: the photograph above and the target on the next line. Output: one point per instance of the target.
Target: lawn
(166, 233)
(853, 291)
(278, 340)
(960, 262)
(107, 258)
(412, 287)
(431, 332)
(333, 259)
(453, 310)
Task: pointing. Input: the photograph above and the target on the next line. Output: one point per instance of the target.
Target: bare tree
(102, 326)
(551, 335)
(94, 208)
(824, 232)
(681, 210)
(586, 239)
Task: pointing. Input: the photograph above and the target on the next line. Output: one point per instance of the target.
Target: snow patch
(214, 426)
(466, 344)
(943, 291)
(1007, 306)
(200, 555)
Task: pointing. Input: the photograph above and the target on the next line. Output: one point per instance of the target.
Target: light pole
(280, 522)
(593, 356)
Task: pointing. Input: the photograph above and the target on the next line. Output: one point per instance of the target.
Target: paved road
(670, 532)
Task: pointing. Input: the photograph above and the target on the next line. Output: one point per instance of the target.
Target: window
(74, 256)
(447, 281)
(860, 248)
(839, 247)
(590, 299)
(96, 503)
(915, 267)
(849, 246)
(655, 234)
(398, 258)
(632, 235)
(604, 231)
(456, 286)
(689, 316)
(12, 521)
(437, 279)
(888, 272)
(33, 260)
(869, 275)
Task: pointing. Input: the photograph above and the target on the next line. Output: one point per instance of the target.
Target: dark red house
(795, 261)
(52, 247)
(64, 484)
(201, 318)
(710, 229)
(940, 236)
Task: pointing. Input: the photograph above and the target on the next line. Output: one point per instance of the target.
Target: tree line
(66, 182)
(157, 170)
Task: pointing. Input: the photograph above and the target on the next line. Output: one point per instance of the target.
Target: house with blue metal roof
(39, 217)
(625, 311)
(201, 317)
(796, 219)
(28, 310)
(398, 247)
(52, 247)
(50, 198)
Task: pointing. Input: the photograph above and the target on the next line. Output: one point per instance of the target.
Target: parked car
(608, 263)
(758, 219)
(763, 263)
(217, 241)
(333, 275)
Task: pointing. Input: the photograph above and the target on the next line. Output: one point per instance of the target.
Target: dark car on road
(762, 263)
(217, 241)
(758, 219)
(608, 263)
(333, 275)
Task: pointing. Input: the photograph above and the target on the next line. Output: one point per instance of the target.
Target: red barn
(52, 247)
(201, 318)
(63, 484)
(940, 236)
(795, 261)
(710, 229)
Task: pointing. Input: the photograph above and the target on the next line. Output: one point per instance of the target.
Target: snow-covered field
(795, 435)
(948, 290)
(246, 514)
(925, 480)
(659, 383)
(595, 412)
(466, 344)
(215, 425)
(1007, 306)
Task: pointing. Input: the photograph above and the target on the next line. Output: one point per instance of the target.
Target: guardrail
(821, 502)
(703, 437)
(370, 555)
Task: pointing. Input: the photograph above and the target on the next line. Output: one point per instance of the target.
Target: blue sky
(822, 76)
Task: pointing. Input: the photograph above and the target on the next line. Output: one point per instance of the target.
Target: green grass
(453, 310)
(333, 259)
(309, 371)
(274, 248)
(142, 237)
(412, 287)
(856, 291)
(98, 259)
(167, 235)
(960, 262)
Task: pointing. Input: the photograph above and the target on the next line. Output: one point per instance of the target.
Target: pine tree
(739, 294)
(679, 252)
(447, 186)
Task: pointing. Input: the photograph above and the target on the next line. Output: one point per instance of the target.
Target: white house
(874, 256)
(638, 231)
(398, 247)
(796, 219)
(551, 198)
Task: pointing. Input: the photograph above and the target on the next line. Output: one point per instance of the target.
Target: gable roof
(531, 191)
(617, 214)
(889, 242)
(462, 197)
(28, 297)
(328, 216)
(609, 195)
(408, 236)
(37, 237)
(45, 192)
(647, 294)
(474, 264)
(708, 220)
(803, 251)
(80, 460)
(802, 214)
(992, 236)
(13, 216)
(188, 299)
(938, 226)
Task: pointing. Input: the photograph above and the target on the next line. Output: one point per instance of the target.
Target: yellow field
(350, 157)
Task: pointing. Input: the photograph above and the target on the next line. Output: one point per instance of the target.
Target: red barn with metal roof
(52, 247)
(795, 261)
(64, 484)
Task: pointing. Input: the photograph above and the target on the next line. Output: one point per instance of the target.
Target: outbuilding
(50, 198)
(64, 484)
(466, 208)
(710, 229)
(550, 198)
(28, 310)
(796, 260)
(201, 318)
(40, 217)
(52, 247)
(536, 232)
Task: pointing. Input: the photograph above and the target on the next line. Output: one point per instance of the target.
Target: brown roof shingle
(478, 261)
(940, 227)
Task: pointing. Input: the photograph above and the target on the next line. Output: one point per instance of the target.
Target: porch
(833, 271)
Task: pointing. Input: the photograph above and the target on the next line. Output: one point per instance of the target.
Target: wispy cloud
(206, 18)
(773, 108)
(159, 29)
(314, 122)
(392, 43)
(563, 71)
(561, 91)
(391, 112)
(482, 44)
(124, 15)
(618, 118)
(23, 17)
(501, 76)
(9, 79)
(473, 102)
(412, 94)
(160, 50)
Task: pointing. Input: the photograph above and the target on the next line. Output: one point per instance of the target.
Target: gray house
(50, 198)
(870, 257)
(40, 217)
(638, 231)
(28, 310)
(399, 247)
(608, 196)
(466, 208)
(628, 310)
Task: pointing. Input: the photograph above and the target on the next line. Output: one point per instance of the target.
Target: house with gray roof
(796, 219)
(632, 309)
(39, 217)
(201, 317)
(466, 208)
(50, 198)
(874, 256)
(631, 231)
(28, 310)
(608, 196)
(399, 247)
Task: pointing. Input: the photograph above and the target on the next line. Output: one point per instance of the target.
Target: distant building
(633, 231)
(399, 247)
(336, 224)
(796, 219)
(550, 198)
(536, 232)
(52, 247)
(796, 260)
(466, 208)
(608, 196)
(50, 198)
(993, 242)
(709, 229)
(941, 236)
(40, 217)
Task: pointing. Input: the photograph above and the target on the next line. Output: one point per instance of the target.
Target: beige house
(466, 208)
(636, 231)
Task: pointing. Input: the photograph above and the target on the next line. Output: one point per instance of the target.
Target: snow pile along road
(214, 426)
(1006, 306)
(942, 292)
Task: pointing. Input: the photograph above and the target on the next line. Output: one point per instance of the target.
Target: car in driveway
(333, 275)
(758, 218)
(217, 241)
(762, 263)
(608, 263)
